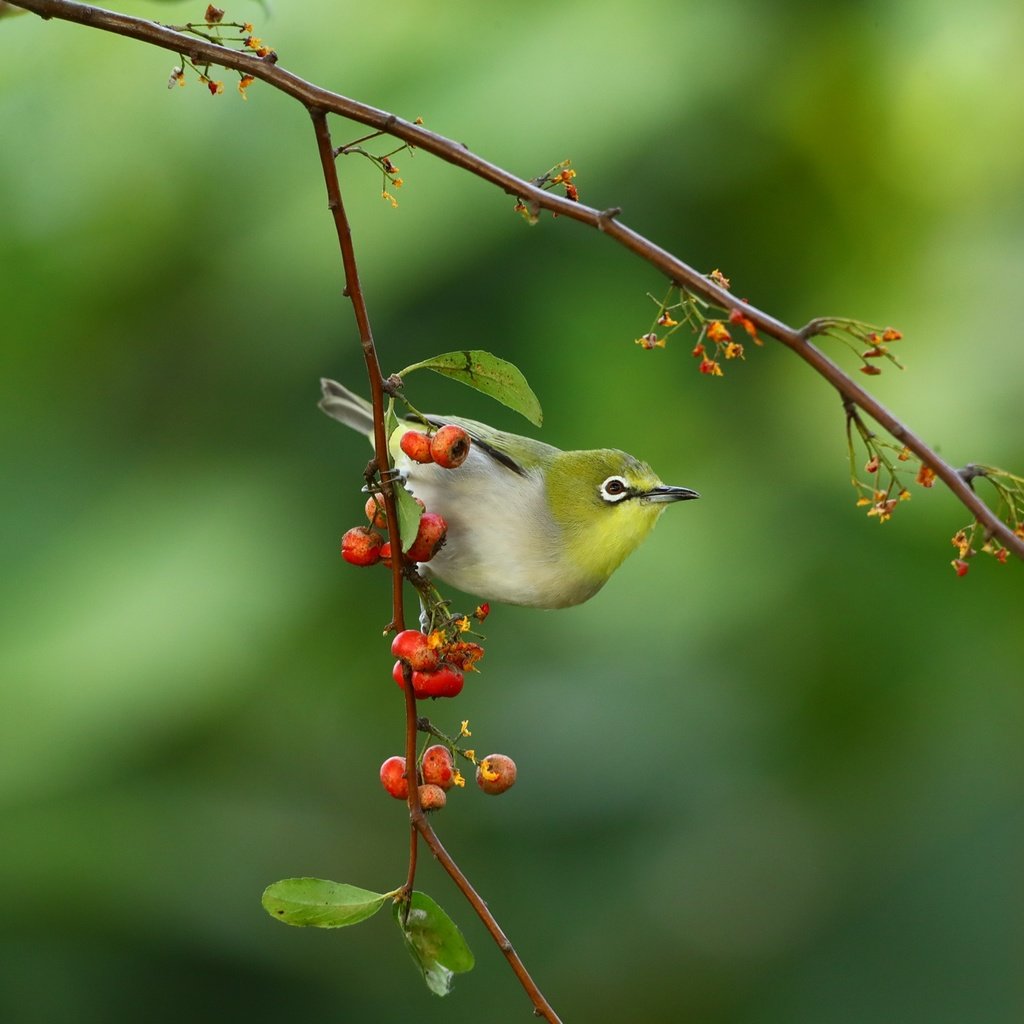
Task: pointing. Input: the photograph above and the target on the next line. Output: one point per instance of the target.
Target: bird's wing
(516, 453)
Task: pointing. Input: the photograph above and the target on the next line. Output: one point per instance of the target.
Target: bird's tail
(341, 404)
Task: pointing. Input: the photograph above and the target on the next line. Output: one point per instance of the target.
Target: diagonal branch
(315, 98)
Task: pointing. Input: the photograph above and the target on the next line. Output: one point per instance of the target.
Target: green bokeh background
(772, 773)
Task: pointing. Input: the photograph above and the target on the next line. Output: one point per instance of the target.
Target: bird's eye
(614, 489)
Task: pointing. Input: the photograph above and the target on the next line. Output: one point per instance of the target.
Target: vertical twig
(419, 826)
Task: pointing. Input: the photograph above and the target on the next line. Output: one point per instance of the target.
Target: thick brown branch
(606, 221)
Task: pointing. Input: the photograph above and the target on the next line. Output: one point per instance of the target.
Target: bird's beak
(666, 493)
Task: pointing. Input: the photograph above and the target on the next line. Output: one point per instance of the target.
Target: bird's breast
(503, 543)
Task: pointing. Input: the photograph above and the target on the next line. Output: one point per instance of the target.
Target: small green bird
(528, 523)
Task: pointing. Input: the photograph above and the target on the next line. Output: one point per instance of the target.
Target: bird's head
(606, 502)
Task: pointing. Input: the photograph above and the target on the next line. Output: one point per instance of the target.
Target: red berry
(417, 446)
(437, 766)
(429, 537)
(449, 447)
(385, 553)
(413, 646)
(375, 511)
(398, 674)
(496, 773)
(361, 546)
(432, 798)
(393, 779)
(444, 681)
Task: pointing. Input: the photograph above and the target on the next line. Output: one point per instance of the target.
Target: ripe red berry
(437, 766)
(449, 447)
(496, 773)
(413, 646)
(417, 446)
(361, 546)
(444, 681)
(429, 537)
(375, 511)
(392, 777)
(432, 798)
(385, 553)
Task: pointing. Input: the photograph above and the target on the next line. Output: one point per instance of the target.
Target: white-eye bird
(528, 524)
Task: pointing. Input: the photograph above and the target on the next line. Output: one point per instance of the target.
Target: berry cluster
(362, 545)
(436, 774)
(448, 447)
(433, 662)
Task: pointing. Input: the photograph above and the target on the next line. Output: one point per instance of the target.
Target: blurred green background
(772, 773)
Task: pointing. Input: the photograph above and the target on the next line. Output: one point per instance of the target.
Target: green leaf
(408, 511)
(487, 373)
(435, 943)
(390, 420)
(408, 516)
(319, 903)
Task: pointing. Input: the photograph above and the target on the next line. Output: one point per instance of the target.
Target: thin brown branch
(354, 290)
(542, 1007)
(606, 221)
(418, 823)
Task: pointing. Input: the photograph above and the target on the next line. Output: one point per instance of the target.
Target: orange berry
(444, 681)
(432, 797)
(361, 546)
(413, 646)
(496, 773)
(393, 777)
(375, 511)
(437, 766)
(417, 446)
(449, 447)
(430, 537)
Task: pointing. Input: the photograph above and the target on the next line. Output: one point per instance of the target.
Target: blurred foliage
(771, 773)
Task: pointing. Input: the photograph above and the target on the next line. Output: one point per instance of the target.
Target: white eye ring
(614, 489)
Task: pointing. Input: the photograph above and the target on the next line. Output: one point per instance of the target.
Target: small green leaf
(434, 942)
(319, 903)
(408, 511)
(408, 516)
(390, 420)
(487, 373)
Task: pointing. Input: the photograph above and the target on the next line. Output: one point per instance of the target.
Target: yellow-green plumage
(528, 523)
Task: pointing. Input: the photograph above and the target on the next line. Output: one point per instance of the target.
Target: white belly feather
(502, 543)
